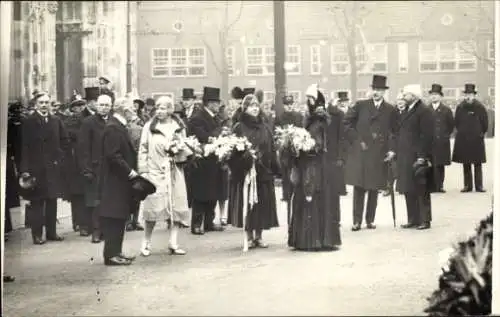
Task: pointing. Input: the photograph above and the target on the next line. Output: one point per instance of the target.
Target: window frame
(263, 56)
(296, 92)
(188, 64)
(454, 98)
(231, 66)
(404, 59)
(348, 64)
(490, 47)
(491, 92)
(267, 93)
(457, 51)
(313, 63)
(299, 57)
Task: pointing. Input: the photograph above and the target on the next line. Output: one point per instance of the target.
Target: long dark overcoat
(206, 177)
(336, 151)
(118, 160)
(443, 128)
(376, 128)
(42, 154)
(90, 152)
(74, 184)
(12, 164)
(471, 122)
(415, 137)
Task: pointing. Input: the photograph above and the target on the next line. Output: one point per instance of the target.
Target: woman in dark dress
(315, 215)
(225, 121)
(262, 215)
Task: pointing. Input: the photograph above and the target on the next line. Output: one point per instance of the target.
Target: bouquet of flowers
(465, 282)
(224, 147)
(294, 140)
(180, 149)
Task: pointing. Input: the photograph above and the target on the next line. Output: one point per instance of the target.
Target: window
(315, 60)
(451, 93)
(296, 94)
(178, 62)
(72, 10)
(491, 92)
(403, 57)
(269, 96)
(293, 58)
(260, 60)
(17, 10)
(157, 95)
(447, 56)
(230, 57)
(369, 59)
(362, 94)
(491, 55)
(334, 94)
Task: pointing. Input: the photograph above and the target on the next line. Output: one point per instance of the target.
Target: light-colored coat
(170, 199)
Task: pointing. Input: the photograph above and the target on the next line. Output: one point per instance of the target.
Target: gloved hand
(339, 163)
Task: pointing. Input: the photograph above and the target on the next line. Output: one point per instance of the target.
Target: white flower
(444, 258)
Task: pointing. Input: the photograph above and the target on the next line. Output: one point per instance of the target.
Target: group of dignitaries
(98, 153)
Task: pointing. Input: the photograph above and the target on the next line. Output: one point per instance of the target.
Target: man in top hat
(44, 140)
(371, 126)
(188, 98)
(237, 94)
(91, 95)
(104, 88)
(471, 122)
(414, 149)
(207, 176)
(90, 152)
(443, 128)
(343, 101)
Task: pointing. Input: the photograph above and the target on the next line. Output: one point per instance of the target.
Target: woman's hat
(248, 91)
(436, 89)
(104, 79)
(248, 100)
(237, 93)
(139, 101)
(414, 89)
(470, 89)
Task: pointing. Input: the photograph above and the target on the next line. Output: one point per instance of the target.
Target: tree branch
(209, 48)
(340, 27)
(238, 17)
(474, 52)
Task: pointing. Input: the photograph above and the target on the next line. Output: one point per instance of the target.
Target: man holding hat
(414, 149)
(207, 176)
(443, 128)
(471, 122)
(371, 127)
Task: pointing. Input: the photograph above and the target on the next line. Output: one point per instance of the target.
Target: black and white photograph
(249, 158)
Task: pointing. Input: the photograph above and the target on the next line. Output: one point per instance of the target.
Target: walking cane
(391, 192)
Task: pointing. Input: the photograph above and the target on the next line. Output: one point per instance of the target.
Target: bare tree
(348, 17)
(218, 56)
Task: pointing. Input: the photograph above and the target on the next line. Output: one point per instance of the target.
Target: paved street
(382, 272)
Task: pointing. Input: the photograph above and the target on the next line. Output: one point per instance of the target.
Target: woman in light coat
(169, 203)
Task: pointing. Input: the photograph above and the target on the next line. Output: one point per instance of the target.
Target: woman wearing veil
(315, 215)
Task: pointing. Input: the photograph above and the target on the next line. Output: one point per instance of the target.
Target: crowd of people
(109, 158)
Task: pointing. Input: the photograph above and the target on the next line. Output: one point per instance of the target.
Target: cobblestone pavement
(386, 271)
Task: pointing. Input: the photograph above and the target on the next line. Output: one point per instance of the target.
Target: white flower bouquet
(294, 139)
(180, 149)
(224, 147)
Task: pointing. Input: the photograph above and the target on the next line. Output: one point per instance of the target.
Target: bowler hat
(92, 93)
(142, 188)
(379, 82)
(211, 94)
(288, 100)
(188, 93)
(237, 93)
(342, 96)
(248, 91)
(470, 89)
(436, 89)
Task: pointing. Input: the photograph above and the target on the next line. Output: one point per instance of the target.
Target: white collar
(378, 103)
(92, 112)
(44, 116)
(436, 105)
(210, 112)
(120, 118)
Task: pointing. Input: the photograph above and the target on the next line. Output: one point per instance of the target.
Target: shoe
(138, 227)
(127, 257)
(96, 238)
(84, 233)
(198, 231)
(260, 244)
(409, 226)
(356, 227)
(480, 190)
(76, 228)
(116, 261)
(176, 251)
(183, 225)
(129, 227)
(371, 226)
(252, 244)
(215, 228)
(55, 238)
(38, 241)
(441, 190)
(424, 226)
(8, 278)
(466, 190)
(223, 223)
(6, 237)
(146, 248)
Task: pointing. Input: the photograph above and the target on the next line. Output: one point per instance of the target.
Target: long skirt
(315, 225)
(224, 186)
(261, 216)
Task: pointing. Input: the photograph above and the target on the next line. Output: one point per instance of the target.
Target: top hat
(150, 102)
(379, 82)
(105, 79)
(188, 93)
(470, 89)
(342, 96)
(211, 94)
(142, 188)
(436, 89)
(288, 100)
(237, 93)
(248, 91)
(92, 93)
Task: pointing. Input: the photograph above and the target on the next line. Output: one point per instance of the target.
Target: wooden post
(279, 54)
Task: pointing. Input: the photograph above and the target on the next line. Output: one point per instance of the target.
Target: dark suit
(118, 160)
(366, 169)
(441, 149)
(207, 176)
(90, 152)
(415, 140)
(44, 142)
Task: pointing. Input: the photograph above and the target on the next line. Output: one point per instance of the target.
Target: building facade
(63, 46)
(184, 45)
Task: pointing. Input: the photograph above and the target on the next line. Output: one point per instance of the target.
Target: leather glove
(364, 147)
